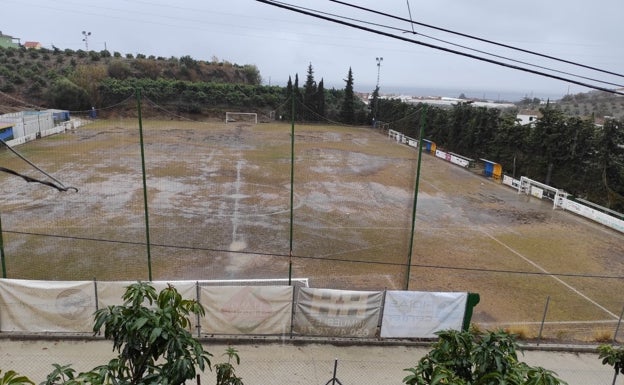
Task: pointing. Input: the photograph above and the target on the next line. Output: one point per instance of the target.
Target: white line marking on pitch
(238, 243)
(551, 275)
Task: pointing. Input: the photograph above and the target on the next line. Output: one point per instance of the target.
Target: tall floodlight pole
(86, 39)
(379, 60)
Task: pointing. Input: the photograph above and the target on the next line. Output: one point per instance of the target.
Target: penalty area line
(573, 289)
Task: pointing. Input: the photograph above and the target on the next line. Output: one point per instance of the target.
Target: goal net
(241, 117)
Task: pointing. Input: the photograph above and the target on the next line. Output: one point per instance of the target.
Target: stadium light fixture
(86, 39)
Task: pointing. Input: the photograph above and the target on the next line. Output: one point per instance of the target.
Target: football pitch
(219, 207)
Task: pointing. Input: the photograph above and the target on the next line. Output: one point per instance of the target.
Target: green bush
(65, 95)
(463, 358)
(613, 357)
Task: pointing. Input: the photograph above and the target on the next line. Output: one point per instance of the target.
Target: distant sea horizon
(493, 95)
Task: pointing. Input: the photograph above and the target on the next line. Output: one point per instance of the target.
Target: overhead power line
(477, 38)
(403, 30)
(378, 32)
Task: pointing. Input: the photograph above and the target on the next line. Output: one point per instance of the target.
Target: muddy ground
(219, 208)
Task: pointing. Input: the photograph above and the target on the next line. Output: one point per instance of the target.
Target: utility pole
(86, 39)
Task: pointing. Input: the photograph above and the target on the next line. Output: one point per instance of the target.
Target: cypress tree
(347, 111)
(309, 93)
(320, 100)
(298, 98)
(289, 94)
(374, 106)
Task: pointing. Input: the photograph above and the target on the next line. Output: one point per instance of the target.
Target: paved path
(292, 363)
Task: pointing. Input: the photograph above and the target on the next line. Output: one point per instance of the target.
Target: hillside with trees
(597, 104)
(79, 80)
(561, 149)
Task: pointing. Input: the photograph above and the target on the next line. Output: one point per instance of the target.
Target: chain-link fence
(244, 200)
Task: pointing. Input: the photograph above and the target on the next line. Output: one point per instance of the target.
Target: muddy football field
(219, 207)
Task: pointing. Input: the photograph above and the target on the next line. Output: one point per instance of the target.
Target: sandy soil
(286, 363)
(219, 208)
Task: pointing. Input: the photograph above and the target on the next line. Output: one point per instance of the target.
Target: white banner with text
(337, 313)
(246, 309)
(46, 306)
(418, 314)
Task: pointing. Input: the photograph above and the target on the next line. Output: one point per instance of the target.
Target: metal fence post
(539, 336)
(617, 328)
(4, 275)
(198, 298)
(95, 292)
(145, 208)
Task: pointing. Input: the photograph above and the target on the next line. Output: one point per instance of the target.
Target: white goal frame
(541, 191)
(229, 117)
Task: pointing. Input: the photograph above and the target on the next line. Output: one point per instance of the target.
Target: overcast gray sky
(281, 42)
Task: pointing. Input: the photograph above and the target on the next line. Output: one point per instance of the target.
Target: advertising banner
(512, 182)
(459, 161)
(337, 313)
(46, 306)
(537, 192)
(593, 214)
(110, 293)
(417, 314)
(246, 309)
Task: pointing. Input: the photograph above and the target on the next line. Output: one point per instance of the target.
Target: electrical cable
(163, 109)
(34, 180)
(363, 28)
(113, 106)
(460, 46)
(59, 186)
(19, 100)
(424, 266)
(476, 38)
(322, 118)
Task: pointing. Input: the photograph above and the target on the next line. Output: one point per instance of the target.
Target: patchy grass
(602, 336)
(521, 332)
(219, 207)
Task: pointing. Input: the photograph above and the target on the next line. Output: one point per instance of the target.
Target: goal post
(541, 191)
(244, 117)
